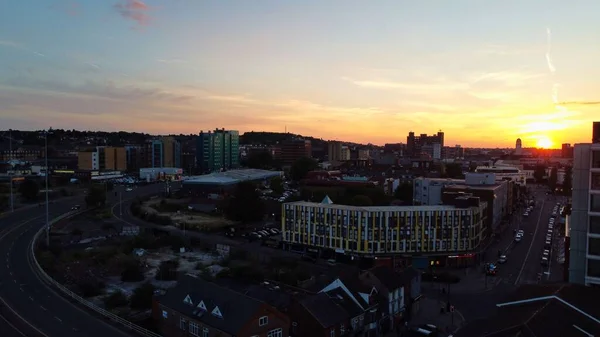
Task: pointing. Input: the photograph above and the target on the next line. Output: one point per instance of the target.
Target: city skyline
(486, 74)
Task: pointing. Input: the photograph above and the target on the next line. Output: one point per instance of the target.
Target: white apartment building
(428, 191)
(515, 174)
(584, 228)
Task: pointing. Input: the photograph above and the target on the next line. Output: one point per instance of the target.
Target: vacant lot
(177, 210)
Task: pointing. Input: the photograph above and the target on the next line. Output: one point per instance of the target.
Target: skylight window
(188, 300)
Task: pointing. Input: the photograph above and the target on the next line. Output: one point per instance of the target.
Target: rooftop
(543, 310)
(231, 177)
(424, 208)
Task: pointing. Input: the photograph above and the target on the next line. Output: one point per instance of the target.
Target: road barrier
(107, 314)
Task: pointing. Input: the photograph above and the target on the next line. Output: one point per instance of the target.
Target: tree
(115, 300)
(167, 271)
(301, 167)
(29, 190)
(142, 296)
(404, 192)
(277, 185)
(244, 204)
(96, 196)
(552, 180)
(539, 173)
(132, 271)
(361, 200)
(567, 185)
(260, 160)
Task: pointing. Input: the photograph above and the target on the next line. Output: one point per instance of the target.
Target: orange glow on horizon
(544, 143)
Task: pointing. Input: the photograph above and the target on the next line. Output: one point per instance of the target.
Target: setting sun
(544, 143)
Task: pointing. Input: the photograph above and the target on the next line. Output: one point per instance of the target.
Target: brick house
(341, 308)
(196, 307)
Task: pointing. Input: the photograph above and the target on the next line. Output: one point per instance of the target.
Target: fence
(131, 326)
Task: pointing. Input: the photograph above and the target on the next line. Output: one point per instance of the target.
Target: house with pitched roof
(398, 289)
(196, 307)
(344, 307)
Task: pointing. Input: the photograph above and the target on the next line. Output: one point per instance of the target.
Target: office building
(567, 151)
(384, 231)
(161, 152)
(596, 133)
(334, 151)
(218, 150)
(498, 194)
(293, 150)
(416, 145)
(103, 158)
(584, 223)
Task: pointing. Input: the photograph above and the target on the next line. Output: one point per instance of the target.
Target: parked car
(502, 259)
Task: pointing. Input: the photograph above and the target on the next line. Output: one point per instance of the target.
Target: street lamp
(47, 213)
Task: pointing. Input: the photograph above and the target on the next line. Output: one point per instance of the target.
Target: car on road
(526, 214)
(128, 189)
(544, 261)
(331, 262)
(502, 259)
(520, 231)
(518, 237)
(76, 207)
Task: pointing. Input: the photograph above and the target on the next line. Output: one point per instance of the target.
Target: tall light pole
(12, 205)
(121, 204)
(47, 204)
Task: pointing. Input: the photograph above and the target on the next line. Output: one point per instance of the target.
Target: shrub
(132, 271)
(142, 296)
(167, 271)
(90, 288)
(115, 300)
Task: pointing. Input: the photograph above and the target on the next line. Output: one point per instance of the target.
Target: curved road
(29, 307)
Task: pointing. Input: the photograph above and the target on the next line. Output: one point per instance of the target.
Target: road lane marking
(31, 298)
(58, 319)
(531, 243)
(21, 289)
(43, 308)
(4, 235)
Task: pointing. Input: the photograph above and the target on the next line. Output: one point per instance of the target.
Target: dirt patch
(186, 219)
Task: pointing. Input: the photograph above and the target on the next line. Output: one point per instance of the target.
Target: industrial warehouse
(222, 182)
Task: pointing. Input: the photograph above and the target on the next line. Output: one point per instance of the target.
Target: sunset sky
(485, 72)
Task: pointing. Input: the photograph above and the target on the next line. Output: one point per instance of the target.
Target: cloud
(433, 85)
(108, 89)
(506, 50)
(93, 65)
(580, 103)
(39, 54)
(510, 78)
(135, 10)
(171, 61)
(8, 43)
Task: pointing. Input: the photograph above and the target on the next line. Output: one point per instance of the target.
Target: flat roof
(231, 177)
(474, 187)
(424, 208)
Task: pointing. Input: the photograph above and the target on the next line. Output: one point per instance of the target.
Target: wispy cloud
(433, 85)
(39, 54)
(511, 78)
(135, 10)
(93, 65)
(170, 61)
(579, 103)
(8, 43)
(506, 50)
(109, 89)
